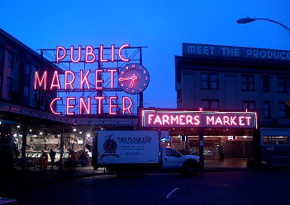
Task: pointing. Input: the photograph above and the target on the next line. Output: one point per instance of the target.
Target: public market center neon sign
(134, 79)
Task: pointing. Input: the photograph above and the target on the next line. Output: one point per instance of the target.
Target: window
(284, 110)
(248, 83)
(171, 152)
(275, 140)
(210, 105)
(266, 83)
(9, 85)
(249, 105)
(283, 84)
(10, 60)
(266, 109)
(209, 81)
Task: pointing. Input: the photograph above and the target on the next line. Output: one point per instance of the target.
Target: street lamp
(249, 20)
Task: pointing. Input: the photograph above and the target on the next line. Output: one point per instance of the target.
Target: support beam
(201, 144)
(61, 149)
(23, 149)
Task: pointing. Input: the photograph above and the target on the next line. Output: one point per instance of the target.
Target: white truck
(129, 151)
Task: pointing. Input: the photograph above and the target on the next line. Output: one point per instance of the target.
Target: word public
(69, 83)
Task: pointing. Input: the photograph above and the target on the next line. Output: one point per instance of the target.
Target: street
(231, 187)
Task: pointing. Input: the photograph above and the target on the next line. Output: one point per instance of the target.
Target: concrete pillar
(201, 144)
(61, 149)
(23, 149)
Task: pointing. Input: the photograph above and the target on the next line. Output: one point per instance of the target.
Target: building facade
(223, 78)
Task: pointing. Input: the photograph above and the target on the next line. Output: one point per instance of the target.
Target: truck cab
(174, 160)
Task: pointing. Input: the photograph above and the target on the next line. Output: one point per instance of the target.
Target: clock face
(133, 78)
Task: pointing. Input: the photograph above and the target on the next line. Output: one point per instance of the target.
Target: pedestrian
(44, 158)
(52, 157)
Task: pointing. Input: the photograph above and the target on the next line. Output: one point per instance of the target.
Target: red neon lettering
(101, 57)
(70, 83)
(197, 120)
(84, 79)
(100, 103)
(150, 118)
(181, 119)
(55, 78)
(189, 119)
(174, 119)
(85, 106)
(90, 52)
(210, 120)
(218, 121)
(120, 53)
(40, 82)
(226, 120)
(72, 54)
(98, 74)
(128, 108)
(112, 71)
(248, 120)
(111, 105)
(157, 120)
(52, 105)
(241, 121)
(165, 119)
(68, 105)
(233, 120)
(113, 52)
(58, 57)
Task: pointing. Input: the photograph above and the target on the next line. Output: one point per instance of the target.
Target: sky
(161, 25)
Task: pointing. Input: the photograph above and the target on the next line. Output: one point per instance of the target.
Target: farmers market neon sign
(176, 119)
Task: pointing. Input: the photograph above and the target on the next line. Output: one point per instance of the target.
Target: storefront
(211, 135)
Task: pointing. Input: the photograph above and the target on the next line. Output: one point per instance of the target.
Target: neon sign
(135, 74)
(189, 119)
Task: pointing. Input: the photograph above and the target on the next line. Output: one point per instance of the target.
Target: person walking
(52, 157)
(44, 158)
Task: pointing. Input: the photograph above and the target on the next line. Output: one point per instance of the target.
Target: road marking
(168, 196)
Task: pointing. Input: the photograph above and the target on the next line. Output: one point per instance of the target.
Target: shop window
(284, 110)
(283, 84)
(249, 105)
(209, 81)
(266, 83)
(9, 85)
(276, 140)
(10, 60)
(210, 105)
(266, 109)
(248, 83)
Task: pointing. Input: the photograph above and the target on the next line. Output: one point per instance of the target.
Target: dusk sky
(161, 25)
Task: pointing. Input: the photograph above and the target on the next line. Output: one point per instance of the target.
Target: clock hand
(123, 79)
(134, 77)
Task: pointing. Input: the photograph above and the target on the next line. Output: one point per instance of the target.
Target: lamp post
(249, 20)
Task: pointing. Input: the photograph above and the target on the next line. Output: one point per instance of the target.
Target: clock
(133, 78)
